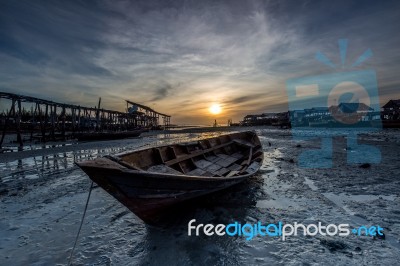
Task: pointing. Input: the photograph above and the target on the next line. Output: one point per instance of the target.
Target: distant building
(391, 110)
(260, 119)
(365, 112)
(311, 116)
(333, 116)
(251, 119)
(327, 116)
(298, 118)
(317, 113)
(320, 116)
(349, 108)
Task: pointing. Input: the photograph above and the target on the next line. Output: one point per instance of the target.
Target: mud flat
(42, 197)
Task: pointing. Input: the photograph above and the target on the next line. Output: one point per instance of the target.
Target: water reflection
(42, 166)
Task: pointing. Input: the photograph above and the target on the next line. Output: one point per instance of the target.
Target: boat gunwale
(124, 153)
(166, 175)
(126, 170)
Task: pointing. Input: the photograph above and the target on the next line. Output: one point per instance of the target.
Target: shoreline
(43, 149)
(40, 149)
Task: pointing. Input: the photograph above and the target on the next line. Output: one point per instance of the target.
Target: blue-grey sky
(179, 57)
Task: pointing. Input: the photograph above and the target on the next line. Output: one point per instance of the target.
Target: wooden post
(46, 120)
(6, 122)
(18, 124)
(98, 115)
(63, 122)
(53, 118)
(34, 120)
(40, 119)
(73, 119)
(79, 118)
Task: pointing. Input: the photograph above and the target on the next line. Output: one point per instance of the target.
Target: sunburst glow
(215, 109)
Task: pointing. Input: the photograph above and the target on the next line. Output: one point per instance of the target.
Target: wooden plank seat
(196, 153)
(161, 168)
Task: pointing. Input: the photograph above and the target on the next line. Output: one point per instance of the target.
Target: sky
(180, 57)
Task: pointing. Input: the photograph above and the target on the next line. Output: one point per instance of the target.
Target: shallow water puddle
(341, 199)
(274, 187)
(277, 203)
(310, 183)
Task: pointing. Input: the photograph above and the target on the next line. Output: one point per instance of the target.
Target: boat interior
(222, 156)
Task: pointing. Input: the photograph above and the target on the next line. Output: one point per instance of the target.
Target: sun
(215, 109)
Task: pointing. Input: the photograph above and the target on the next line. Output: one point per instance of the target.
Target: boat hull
(150, 195)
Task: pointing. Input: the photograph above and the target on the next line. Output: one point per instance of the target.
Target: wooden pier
(146, 115)
(47, 120)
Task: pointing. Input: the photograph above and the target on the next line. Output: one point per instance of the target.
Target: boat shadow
(234, 203)
(170, 240)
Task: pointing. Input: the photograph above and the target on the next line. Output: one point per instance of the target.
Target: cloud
(161, 92)
(183, 55)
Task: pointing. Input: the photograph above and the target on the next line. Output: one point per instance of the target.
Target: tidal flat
(43, 194)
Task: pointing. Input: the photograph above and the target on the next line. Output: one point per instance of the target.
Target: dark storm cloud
(61, 35)
(161, 92)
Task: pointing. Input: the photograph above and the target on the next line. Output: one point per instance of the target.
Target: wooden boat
(149, 181)
(107, 135)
